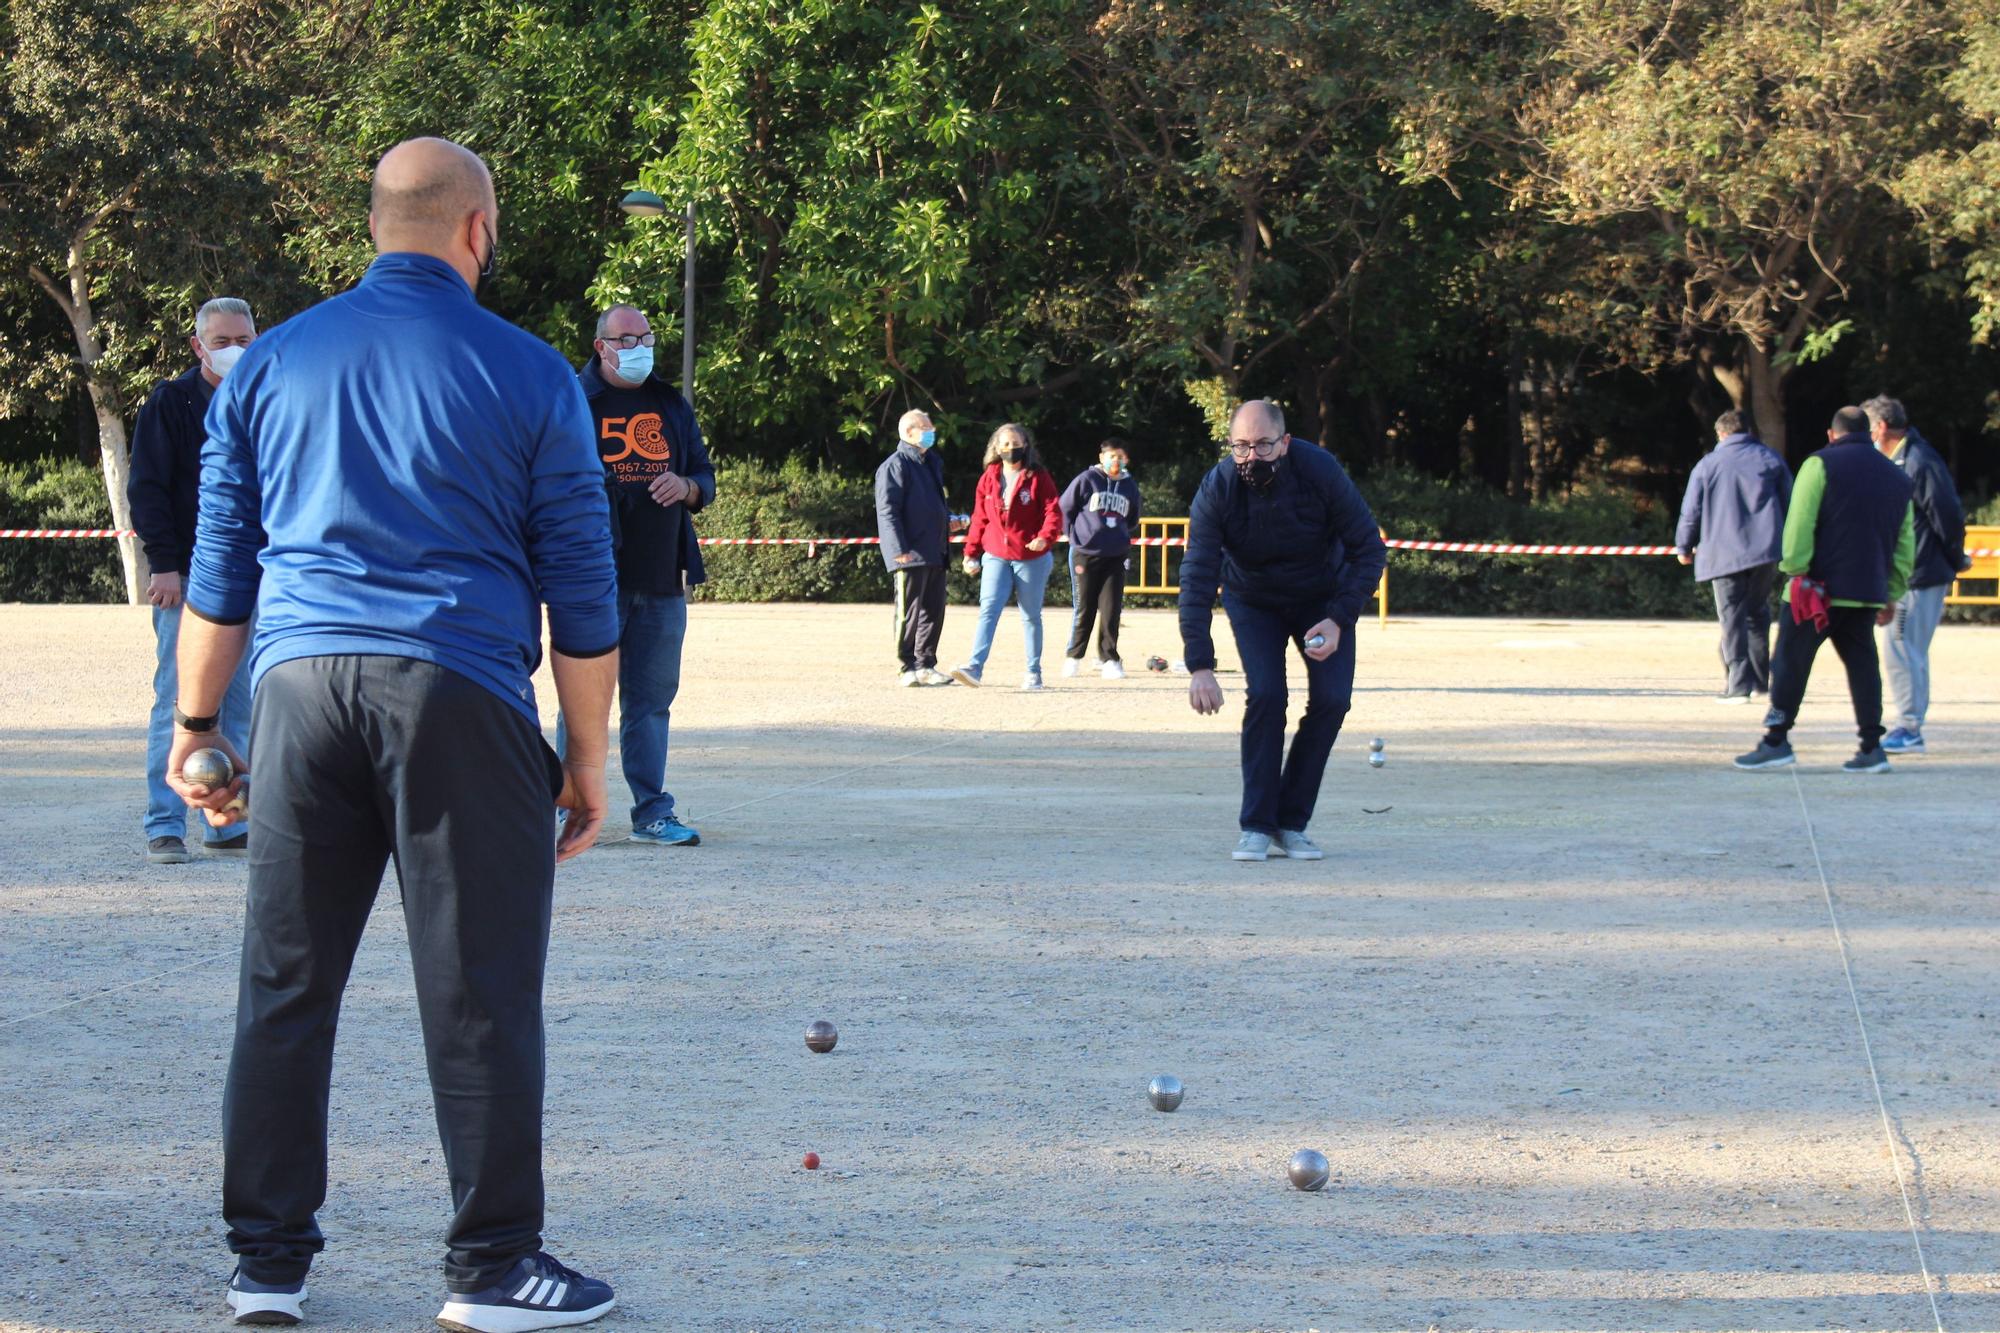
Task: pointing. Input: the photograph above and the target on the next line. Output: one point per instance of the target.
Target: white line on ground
(1868, 1050)
(113, 990)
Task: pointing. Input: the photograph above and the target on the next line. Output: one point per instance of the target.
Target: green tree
(1735, 163)
(128, 198)
(1956, 187)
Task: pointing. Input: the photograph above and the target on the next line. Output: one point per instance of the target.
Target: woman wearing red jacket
(1016, 517)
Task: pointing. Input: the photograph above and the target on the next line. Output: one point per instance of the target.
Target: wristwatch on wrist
(197, 725)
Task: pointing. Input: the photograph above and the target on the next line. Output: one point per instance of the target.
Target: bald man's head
(427, 193)
(1260, 418)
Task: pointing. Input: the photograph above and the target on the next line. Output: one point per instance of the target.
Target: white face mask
(222, 359)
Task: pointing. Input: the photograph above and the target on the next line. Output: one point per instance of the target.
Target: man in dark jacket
(1939, 520)
(658, 473)
(914, 523)
(1732, 531)
(164, 490)
(1848, 550)
(1100, 512)
(1280, 527)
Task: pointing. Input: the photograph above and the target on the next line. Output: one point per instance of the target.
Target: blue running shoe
(266, 1303)
(537, 1293)
(668, 832)
(1903, 741)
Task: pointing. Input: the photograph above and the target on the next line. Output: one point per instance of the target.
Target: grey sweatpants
(1906, 651)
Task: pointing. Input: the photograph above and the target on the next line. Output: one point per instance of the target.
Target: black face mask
(489, 268)
(1258, 472)
(1013, 455)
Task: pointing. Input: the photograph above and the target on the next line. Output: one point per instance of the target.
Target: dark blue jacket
(165, 483)
(1861, 517)
(1100, 513)
(1733, 515)
(1308, 538)
(634, 512)
(1939, 517)
(911, 514)
(427, 480)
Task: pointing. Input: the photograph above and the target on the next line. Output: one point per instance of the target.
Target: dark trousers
(1098, 594)
(1279, 792)
(1743, 605)
(361, 759)
(1852, 630)
(919, 615)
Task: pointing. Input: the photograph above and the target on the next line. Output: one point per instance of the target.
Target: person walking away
(427, 479)
(1849, 546)
(1939, 520)
(1280, 528)
(1732, 530)
(658, 471)
(914, 524)
(1016, 517)
(1100, 513)
(164, 489)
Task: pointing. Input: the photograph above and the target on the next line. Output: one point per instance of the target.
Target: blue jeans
(1025, 580)
(166, 813)
(1279, 792)
(651, 629)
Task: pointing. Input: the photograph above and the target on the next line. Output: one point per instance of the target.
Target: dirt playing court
(1567, 1015)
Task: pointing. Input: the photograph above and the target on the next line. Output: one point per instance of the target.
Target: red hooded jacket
(1004, 529)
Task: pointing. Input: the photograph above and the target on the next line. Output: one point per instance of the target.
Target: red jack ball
(812, 1161)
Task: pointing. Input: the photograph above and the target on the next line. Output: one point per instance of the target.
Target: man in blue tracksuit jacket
(1282, 529)
(396, 481)
(1100, 513)
(1732, 531)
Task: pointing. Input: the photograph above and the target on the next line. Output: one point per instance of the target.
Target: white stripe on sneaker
(562, 1290)
(542, 1290)
(526, 1287)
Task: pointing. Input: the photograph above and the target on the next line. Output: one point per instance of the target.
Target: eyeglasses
(627, 341)
(1262, 448)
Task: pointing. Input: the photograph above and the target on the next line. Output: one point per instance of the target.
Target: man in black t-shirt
(658, 474)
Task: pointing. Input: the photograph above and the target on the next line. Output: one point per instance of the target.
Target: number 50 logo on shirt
(639, 435)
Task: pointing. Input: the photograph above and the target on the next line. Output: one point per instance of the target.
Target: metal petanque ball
(1308, 1169)
(1375, 746)
(1165, 1093)
(821, 1037)
(208, 768)
(1377, 760)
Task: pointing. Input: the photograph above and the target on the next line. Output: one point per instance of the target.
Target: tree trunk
(1767, 397)
(115, 460)
(1517, 439)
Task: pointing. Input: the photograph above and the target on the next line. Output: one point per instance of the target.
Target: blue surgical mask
(926, 438)
(634, 363)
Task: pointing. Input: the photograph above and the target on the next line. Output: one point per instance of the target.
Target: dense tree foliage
(1525, 243)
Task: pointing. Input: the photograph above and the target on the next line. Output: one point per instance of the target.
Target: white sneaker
(1071, 665)
(932, 676)
(911, 678)
(1032, 681)
(1298, 846)
(1252, 846)
(1113, 671)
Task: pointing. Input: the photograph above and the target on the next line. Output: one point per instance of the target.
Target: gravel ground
(1562, 1006)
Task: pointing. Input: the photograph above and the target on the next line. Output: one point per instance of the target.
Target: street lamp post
(646, 204)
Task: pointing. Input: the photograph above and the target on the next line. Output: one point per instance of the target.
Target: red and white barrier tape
(1395, 544)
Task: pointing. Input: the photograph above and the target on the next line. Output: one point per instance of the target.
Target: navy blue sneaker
(668, 832)
(537, 1293)
(1867, 761)
(264, 1303)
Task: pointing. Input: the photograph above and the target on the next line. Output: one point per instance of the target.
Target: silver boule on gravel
(1377, 760)
(1308, 1169)
(1165, 1093)
(822, 1037)
(208, 768)
(1375, 746)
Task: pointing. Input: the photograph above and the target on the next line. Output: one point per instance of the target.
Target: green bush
(57, 493)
